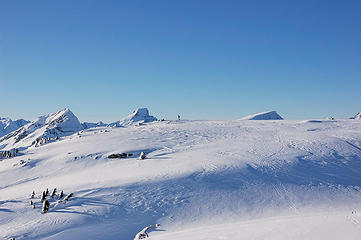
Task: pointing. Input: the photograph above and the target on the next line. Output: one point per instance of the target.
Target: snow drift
(43, 129)
(270, 115)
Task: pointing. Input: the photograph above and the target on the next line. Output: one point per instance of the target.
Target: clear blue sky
(202, 59)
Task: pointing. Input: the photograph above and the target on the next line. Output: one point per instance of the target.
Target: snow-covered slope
(140, 115)
(357, 116)
(7, 125)
(43, 129)
(328, 225)
(201, 180)
(270, 115)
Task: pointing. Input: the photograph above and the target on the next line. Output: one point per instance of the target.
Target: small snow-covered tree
(46, 206)
(47, 192)
(61, 194)
(144, 234)
(142, 156)
(33, 195)
(53, 193)
(68, 197)
(43, 197)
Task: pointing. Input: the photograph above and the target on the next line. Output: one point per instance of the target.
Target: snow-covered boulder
(7, 125)
(270, 115)
(357, 116)
(140, 115)
(43, 129)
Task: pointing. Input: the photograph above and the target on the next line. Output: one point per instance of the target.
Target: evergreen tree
(68, 197)
(46, 206)
(43, 196)
(142, 156)
(61, 194)
(53, 193)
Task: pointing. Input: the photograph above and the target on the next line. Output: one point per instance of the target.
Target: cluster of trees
(46, 202)
(8, 154)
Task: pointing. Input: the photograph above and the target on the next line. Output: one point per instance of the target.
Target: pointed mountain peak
(140, 115)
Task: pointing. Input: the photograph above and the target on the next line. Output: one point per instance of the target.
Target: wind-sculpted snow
(196, 174)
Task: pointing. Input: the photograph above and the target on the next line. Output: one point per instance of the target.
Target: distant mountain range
(52, 127)
(87, 125)
(49, 128)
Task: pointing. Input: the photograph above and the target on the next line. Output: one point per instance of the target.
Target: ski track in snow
(197, 173)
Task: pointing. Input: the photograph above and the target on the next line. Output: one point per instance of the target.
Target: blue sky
(202, 59)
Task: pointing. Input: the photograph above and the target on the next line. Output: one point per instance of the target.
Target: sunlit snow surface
(201, 180)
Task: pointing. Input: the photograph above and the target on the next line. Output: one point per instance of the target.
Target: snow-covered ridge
(7, 125)
(270, 115)
(43, 129)
(87, 125)
(140, 115)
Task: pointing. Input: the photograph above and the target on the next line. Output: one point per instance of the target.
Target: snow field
(201, 180)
